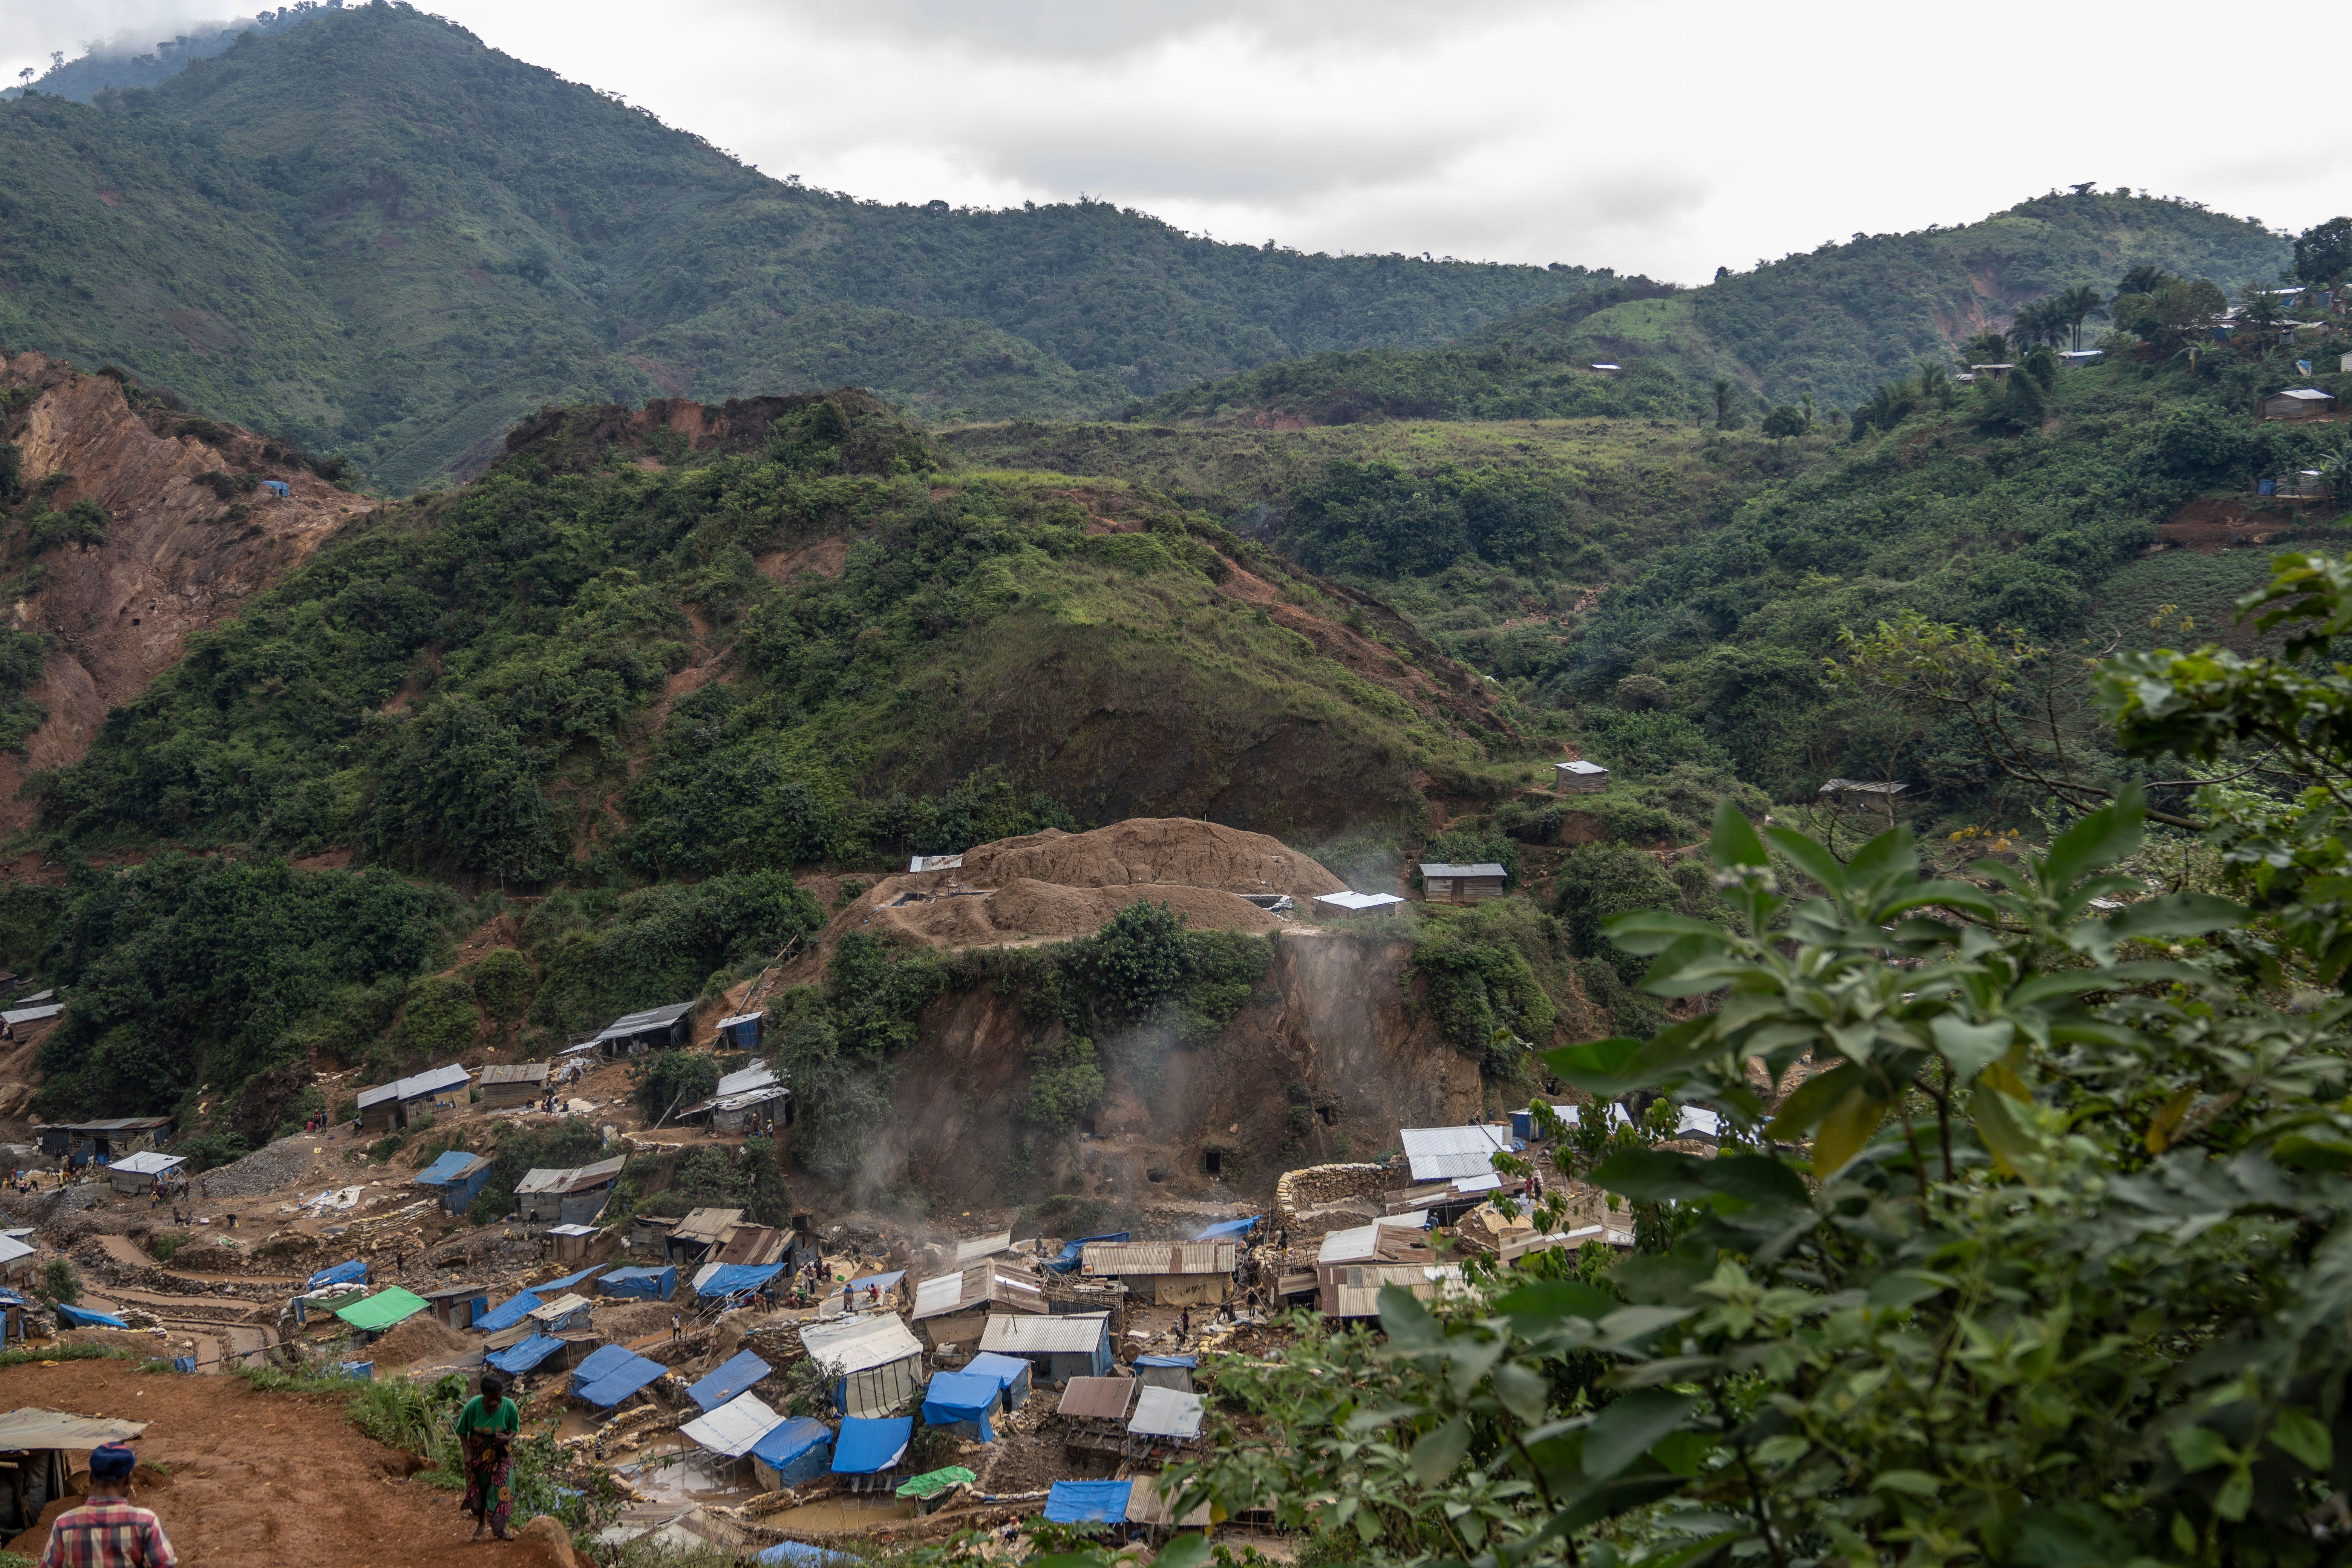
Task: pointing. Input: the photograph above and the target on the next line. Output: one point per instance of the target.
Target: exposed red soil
(2210, 526)
(826, 558)
(262, 1479)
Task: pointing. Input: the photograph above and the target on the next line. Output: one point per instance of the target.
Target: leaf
(1408, 1323)
(1598, 1060)
(1627, 1324)
(2299, 1432)
(1733, 841)
(1962, 896)
(1185, 1552)
(1757, 1179)
(2198, 1448)
(1812, 1099)
(1685, 1453)
(2178, 915)
(2102, 838)
(1846, 1130)
(1645, 931)
(1912, 1483)
(1970, 1047)
(1811, 859)
(2167, 1117)
(2237, 1494)
(1629, 1426)
(1696, 1555)
(2007, 1144)
(1541, 1307)
(1682, 970)
(1907, 1286)
(1523, 1391)
(1440, 1453)
(1891, 853)
(1652, 1175)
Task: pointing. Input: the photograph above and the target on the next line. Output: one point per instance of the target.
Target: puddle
(675, 1471)
(842, 1513)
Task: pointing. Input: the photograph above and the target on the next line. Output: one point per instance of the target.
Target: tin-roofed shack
(2296, 403)
(513, 1084)
(746, 1103)
(36, 1446)
(459, 1176)
(569, 1197)
(655, 1029)
(1443, 882)
(1876, 794)
(701, 1232)
(78, 1143)
(387, 1105)
(1578, 776)
(1168, 1273)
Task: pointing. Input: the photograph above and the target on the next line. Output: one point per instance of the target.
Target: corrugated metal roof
(12, 1249)
(1117, 1258)
(1165, 1413)
(859, 1343)
(1442, 1153)
(734, 1426)
(1076, 1333)
(1580, 768)
(416, 1087)
(31, 1428)
(1442, 869)
(454, 1165)
(1098, 1398)
(148, 1162)
(1359, 901)
(738, 1018)
(33, 1014)
(983, 1247)
(983, 1282)
(515, 1072)
(705, 1225)
(563, 1306)
(759, 1075)
(2307, 393)
(574, 1180)
(642, 1023)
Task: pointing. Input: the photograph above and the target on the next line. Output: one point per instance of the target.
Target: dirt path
(265, 1480)
(125, 1251)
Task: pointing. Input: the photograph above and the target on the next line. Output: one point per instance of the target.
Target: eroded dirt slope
(178, 557)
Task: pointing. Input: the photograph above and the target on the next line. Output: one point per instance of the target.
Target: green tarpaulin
(937, 1481)
(383, 1309)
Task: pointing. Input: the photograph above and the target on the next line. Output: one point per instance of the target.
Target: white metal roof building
(1444, 1153)
(1165, 1413)
(875, 1364)
(1354, 904)
(732, 1429)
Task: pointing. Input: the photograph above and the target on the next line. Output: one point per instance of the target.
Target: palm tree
(2144, 279)
(2035, 323)
(2075, 306)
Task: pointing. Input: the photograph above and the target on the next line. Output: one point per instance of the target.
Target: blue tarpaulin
(599, 1362)
(445, 1168)
(870, 1445)
(359, 1371)
(1089, 1503)
(82, 1318)
(653, 1284)
(549, 1292)
(1009, 1373)
(617, 1385)
(796, 1448)
(806, 1556)
(1186, 1362)
(734, 1277)
(959, 1399)
(508, 1313)
(183, 1363)
(1233, 1228)
(527, 1355)
(729, 1381)
(352, 1273)
(1071, 1252)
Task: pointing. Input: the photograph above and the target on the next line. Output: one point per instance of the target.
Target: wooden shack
(1443, 882)
(514, 1084)
(2296, 403)
(1170, 1273)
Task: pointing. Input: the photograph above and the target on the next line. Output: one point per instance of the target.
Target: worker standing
(108, 1532)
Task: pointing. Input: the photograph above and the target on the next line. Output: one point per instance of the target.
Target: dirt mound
(267, 1477)
(421, 1338)
(1150, 849)
(1024, 910)
(621, 1324)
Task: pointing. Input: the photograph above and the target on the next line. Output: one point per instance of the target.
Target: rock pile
(264, 1170)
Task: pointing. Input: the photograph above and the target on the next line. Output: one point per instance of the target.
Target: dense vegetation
(297, 235)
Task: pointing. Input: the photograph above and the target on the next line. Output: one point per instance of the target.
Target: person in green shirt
(487, 1429)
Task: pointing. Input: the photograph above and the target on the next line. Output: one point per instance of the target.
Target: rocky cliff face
(179, 557)
(1331, 1033)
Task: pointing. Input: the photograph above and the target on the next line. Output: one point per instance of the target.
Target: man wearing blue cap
(107, 1532)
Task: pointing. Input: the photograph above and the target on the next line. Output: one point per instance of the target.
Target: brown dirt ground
(423, 1338)
(263, 1478)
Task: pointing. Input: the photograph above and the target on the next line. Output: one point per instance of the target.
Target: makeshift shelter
(1170, 1273)
(1072, 1251)
(1166, 1416)
(36, 1445)
(137, 1174)
(513, 1084)
(522, 1356)
(1011, 1372)
(701, 1231)
(1098, 1399)
(961, 1402)
(353, 1271)
(1352, 906)
(871, 1446)
(620, 1381)
(1153, 1504)
(17, 1258)
(79, 1143)
(753, 1246)
(795, 1449)
(655, 1028)
(741, 1032)
(644, 1284)
(459, 1177)
(874, 1365)
(929, 1489)
(568, 1313)
(577, 1195)
(1056, 1348)
(459, 1306)
(745, 1103)
(1443, 882)
(739, 1374)
(1442, 1153)
(1579, 777)
(2296, 403)
(1875, 795)
(1089, 1503)
(12, 1319)
(82, 1318)
(954, 1308)
(387, 1105)
(734, 1278)
(569, 1242)
(732, 1429)
(1166, 1372)
(507, 1314)
(598, 1364)
(374, 1314)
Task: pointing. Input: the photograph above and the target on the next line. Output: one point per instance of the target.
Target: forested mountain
(1828, 325)
(376, 235)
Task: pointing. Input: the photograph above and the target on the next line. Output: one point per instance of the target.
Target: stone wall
(1310, 1202)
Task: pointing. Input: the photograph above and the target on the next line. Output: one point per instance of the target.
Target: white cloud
(1665, 139)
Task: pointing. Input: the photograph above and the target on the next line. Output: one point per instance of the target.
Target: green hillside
(375, 235)
(1829, 325)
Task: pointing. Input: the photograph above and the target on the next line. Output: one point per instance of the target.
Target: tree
(2261, 305)
(1988, 347)
(2144, 279)
(466, 788)
(1724, 391)
(2323, 253)
(2077, 305)
(666, 1080)
(1784, 422)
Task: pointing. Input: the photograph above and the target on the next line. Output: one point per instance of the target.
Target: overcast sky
(1667, 140)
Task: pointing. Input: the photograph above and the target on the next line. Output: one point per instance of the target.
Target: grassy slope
(1831, 323)
(373, 233)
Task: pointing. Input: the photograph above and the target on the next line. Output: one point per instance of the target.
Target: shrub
(60, 1283)
(208, 1150)
(667, 1079)
(1138, 959)
(439, 1015)
(503, 983)
(164, 1244)
(1063, 1080)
